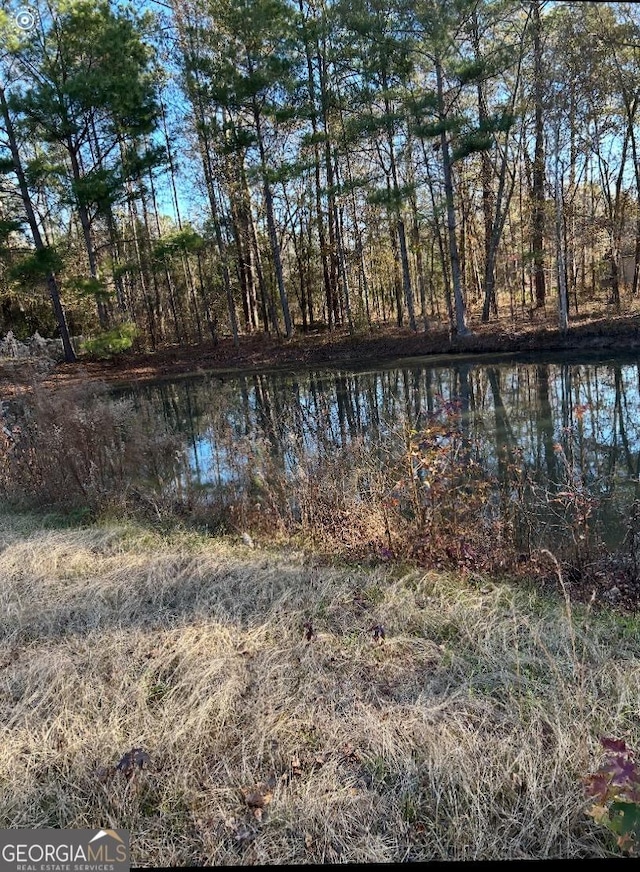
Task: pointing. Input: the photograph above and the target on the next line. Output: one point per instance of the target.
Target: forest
(320, 430)
(175, 172)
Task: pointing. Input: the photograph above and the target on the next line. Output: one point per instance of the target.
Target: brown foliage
(77, 447)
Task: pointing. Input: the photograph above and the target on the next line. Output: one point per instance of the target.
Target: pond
(568, 427)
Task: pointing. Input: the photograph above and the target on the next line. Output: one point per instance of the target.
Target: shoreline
(381, 345)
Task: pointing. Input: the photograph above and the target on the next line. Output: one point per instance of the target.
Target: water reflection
(590, 409)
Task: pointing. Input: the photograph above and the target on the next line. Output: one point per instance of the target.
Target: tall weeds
(77, 448)
(428, 492)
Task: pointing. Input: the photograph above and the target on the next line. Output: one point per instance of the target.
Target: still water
(561, 417)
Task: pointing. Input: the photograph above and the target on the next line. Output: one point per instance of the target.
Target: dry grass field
(293, 712)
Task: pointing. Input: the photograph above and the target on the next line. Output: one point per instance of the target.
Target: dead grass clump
(463, 733)
(78, 448)
(418, 494)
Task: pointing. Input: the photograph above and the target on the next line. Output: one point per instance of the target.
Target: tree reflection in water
(539, 431)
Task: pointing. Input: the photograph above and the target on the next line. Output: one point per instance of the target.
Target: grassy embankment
(463, 735)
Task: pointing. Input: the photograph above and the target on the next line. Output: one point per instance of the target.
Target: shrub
(113, 341)
(615, 789)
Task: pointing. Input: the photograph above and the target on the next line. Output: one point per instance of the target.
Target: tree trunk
(320, 220)
(188, 275)
(332, 287)
(85, 223)
(271, 225)
(537, 220)
(52, 283)
(167, 272)
(402, 236)
(490, 301)
(563, 303)
(194, 93)
(458, 295)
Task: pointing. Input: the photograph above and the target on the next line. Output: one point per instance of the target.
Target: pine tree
(85, 86)
(45, 259)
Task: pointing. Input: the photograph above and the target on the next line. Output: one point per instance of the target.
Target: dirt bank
(338, 348)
